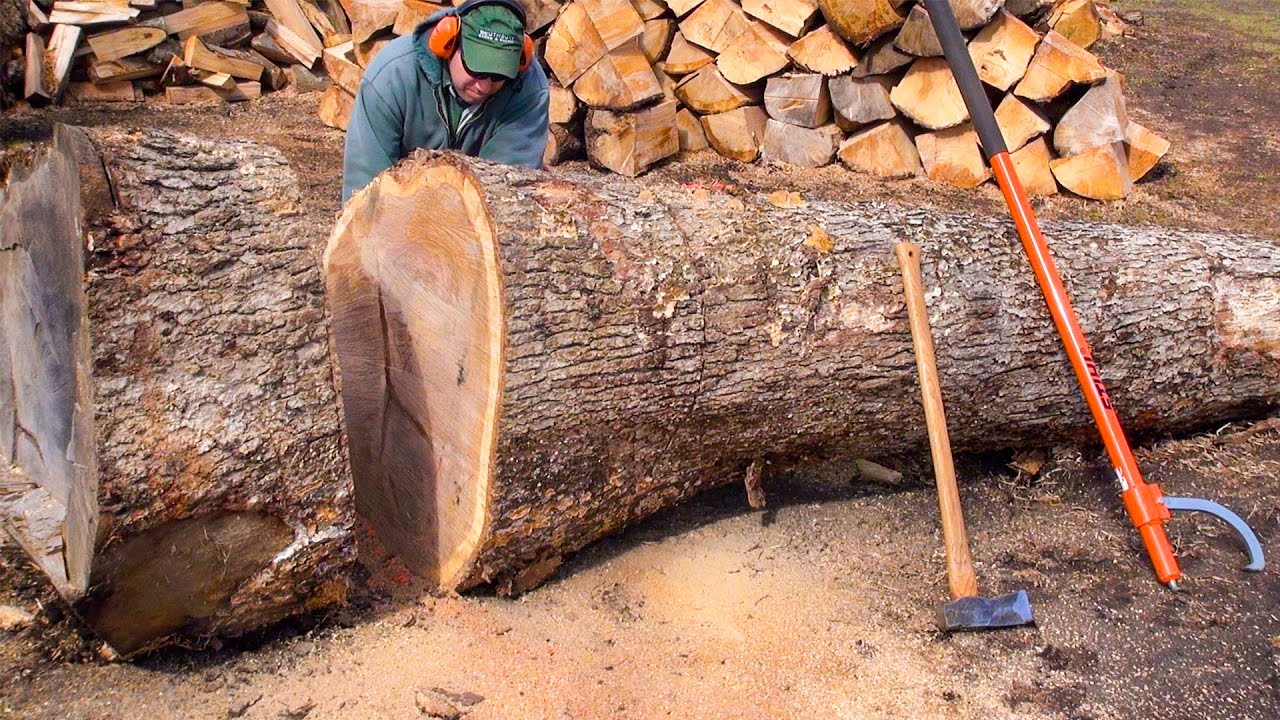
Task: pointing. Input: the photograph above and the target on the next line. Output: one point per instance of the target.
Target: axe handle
(960, 575)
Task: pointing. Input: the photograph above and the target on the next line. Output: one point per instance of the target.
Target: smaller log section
(170, 446)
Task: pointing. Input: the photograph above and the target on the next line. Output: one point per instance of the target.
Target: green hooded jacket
(402, 106)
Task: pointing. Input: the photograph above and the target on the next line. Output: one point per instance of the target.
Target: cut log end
(418, 281)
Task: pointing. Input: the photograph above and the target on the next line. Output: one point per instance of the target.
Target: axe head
(979, 613)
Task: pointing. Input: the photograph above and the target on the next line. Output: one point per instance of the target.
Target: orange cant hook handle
(1147, 506)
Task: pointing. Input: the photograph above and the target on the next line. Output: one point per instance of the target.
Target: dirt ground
(822, 606)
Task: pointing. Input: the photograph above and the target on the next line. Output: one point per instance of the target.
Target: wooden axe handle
(960, 575)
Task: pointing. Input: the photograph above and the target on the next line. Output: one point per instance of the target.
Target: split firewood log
(928, 94)
(861, 21)
(1057, 64)
(649, 9)
(689, 128)
(109, 92)
(706, 91)
(682, 7)
(1002, 50)
(953, 156)
(859, 101)
(1100, 173)
(916, 36)
(519, 381)
(657, 37)
(714, 24)
(340, 63)
(335, 107)
(585, 32)
(1019, 121)
(882, 57)
(1143, 149)
(1099, 117)
(34, 88)
(795, 145)
(973, 14)
(1077, 21)
(1031, 162)
(792, 17)
(798, 99)
(564, 142)
(413, 12)
(628, 143)
(171, 445)
(885, 150)
(370, 17)
(822, 51)
(756, 53)
(621, 80)
(684, 57)
(115, 44)
(738, 133)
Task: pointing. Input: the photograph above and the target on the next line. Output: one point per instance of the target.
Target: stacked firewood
(192, 52)
(803, 82)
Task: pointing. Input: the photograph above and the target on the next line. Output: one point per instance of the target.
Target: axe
(967, 610)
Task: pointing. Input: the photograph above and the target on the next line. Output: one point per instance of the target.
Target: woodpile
(800, 82)
(807, 82)
(199, 51)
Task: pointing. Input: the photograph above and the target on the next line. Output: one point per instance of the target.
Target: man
(464, 80)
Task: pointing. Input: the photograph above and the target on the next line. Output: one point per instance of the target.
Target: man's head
(489, 51)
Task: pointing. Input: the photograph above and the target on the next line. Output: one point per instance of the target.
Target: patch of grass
(1255, 22)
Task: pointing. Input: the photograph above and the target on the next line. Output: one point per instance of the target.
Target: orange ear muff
(526, 54)
(443, 39)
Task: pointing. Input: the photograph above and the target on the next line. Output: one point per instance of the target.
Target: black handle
(947, 29)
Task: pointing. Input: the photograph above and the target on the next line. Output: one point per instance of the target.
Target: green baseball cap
(492, 41)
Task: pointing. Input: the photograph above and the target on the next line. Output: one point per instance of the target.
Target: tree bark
(190, 452)
(553, 357)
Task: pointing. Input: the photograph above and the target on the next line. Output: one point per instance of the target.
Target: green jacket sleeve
(520, 135)
(373, 140)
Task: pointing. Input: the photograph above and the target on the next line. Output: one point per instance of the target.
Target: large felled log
(553, 357)
(168, 425)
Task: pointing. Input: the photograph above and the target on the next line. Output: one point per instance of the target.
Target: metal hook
(1252, 546)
